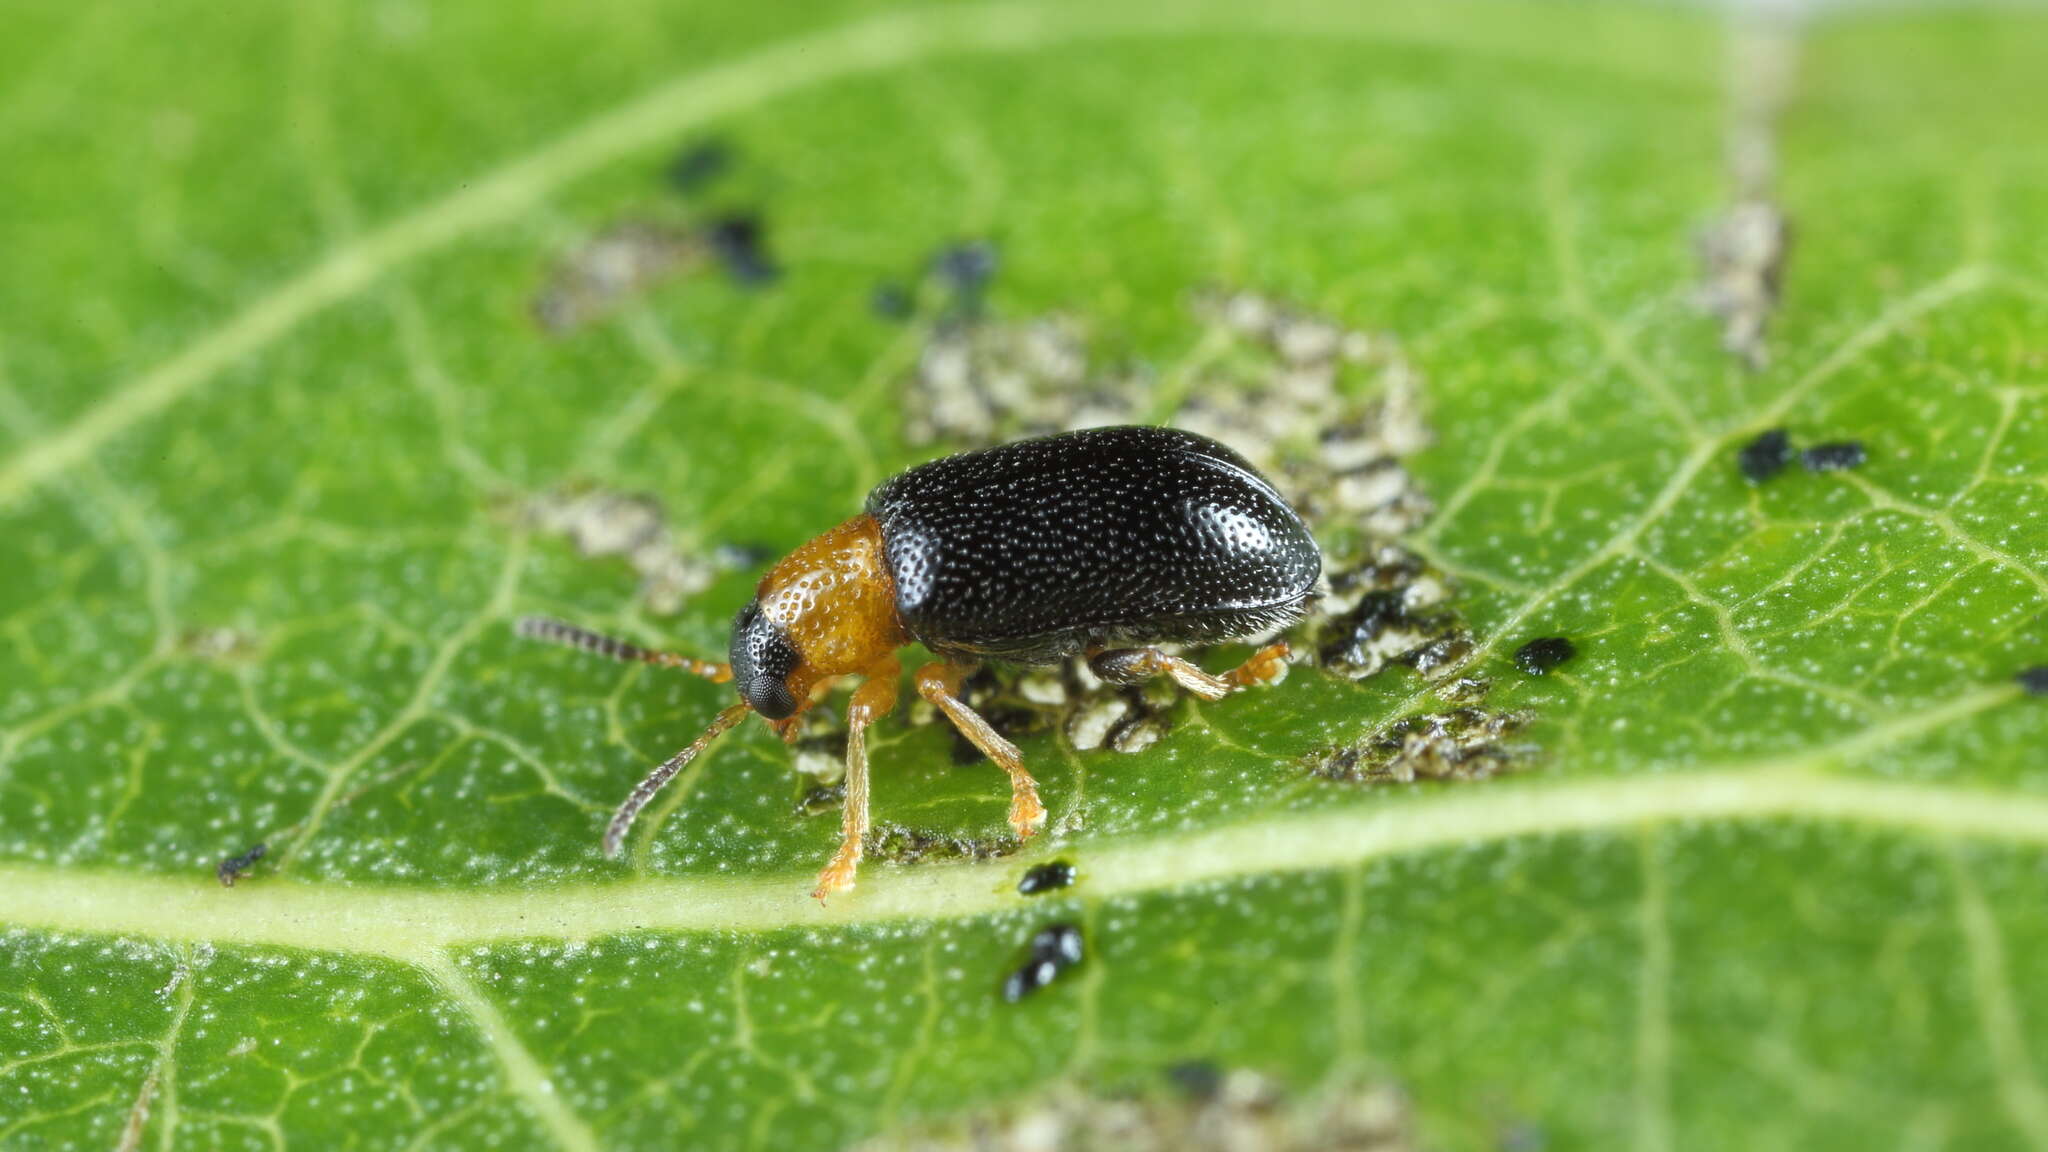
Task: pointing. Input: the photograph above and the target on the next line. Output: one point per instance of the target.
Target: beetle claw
(837, 877)
(1027, 815)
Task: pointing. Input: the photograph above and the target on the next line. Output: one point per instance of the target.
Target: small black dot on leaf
(232, 868)
(699, 164)
(2034, 680)
(1834, 456)
(891, 301)
(1059, 943)
(1054, 949)
(1199, 1079)
(1047, 877)
(1538, 657)
(740, 244)
(966, 268)
(1765, 456)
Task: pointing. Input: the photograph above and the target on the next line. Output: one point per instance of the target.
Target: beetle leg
(1135, 665)
(1266, 666)
(570, 636)
(939, 682)
(871, 701)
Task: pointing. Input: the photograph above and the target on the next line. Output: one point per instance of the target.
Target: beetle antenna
(622, 820)
(570, 636)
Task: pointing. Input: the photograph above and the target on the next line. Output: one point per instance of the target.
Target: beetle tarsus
(837, 876)
(1027, 815)
(1266, 666)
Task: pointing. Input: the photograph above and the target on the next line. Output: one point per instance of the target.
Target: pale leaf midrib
(414, 925)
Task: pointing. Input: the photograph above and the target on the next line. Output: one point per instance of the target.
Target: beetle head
(762, 660)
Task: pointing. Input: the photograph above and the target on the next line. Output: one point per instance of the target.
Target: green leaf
(275, 413)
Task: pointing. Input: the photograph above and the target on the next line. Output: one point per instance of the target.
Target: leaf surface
(271, 395)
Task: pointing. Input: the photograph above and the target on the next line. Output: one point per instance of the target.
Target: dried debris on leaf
(1093, 714)
(1328, 412)
(979, 382)
(1742, 262)
(1742, 251)
(1089, 713)
(621, 261)
(820, 753)
(635, 254)
(1464, 743)
(902, 844)
(1387, 608)
(1835, 456)
(1197, 1107)
(819, 756)
(602, 522)
(221, 645)
(1545, 654)
(821, 798)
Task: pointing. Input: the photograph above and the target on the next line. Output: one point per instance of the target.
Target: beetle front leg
(1136, 665)
(871, 701)
(940, 683)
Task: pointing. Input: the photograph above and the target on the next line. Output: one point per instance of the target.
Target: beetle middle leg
(873, 700)
(1136, 665)
(939, 683)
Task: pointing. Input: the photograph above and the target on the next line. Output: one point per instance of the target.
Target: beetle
(1103, 543)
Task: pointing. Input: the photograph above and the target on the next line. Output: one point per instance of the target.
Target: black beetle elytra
(1101, 543)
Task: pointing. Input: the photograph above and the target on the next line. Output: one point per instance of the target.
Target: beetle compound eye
(771, 698)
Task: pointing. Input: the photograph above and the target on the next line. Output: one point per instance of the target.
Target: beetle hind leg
(1136, 665)
(1266, 666)
(940, 683)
